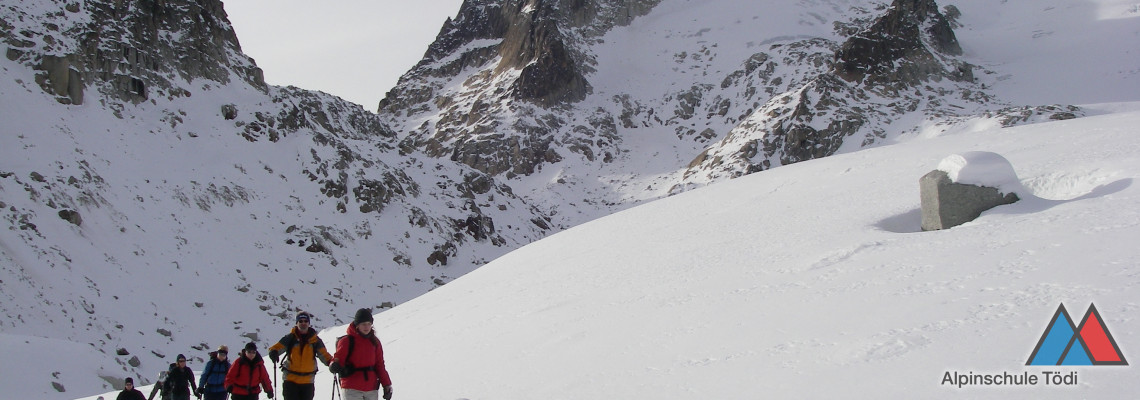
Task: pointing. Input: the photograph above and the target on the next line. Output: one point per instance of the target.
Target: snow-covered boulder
(965, 185)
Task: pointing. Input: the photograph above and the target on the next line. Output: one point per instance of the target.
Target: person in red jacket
(359, 360)
(246, 374)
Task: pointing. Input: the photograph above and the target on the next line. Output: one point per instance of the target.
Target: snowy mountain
(621, 108)
(147, 170)
(161, 199)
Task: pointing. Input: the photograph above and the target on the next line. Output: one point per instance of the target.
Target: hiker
(212, 383)
(248, 376)
(160, 386)
(301, 347)
(180, 381)
(129, 392)
(359, 360)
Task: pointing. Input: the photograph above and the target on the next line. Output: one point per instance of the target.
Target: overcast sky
(355, 49)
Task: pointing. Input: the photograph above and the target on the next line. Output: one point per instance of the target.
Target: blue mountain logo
(1065, 343)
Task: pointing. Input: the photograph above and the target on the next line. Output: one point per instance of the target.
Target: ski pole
(274, 377)
(336, 382)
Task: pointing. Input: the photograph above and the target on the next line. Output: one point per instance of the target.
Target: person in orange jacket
(247, 374)
(301, 347)
(359, 360)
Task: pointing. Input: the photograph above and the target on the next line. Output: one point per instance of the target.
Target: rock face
(548, 73)
(60, 79)
(894, 48)
(539, 40)
(529, 55)
(883, 71)
(132, 50)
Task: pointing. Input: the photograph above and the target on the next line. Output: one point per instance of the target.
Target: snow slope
(744, 290)
(1054, 51)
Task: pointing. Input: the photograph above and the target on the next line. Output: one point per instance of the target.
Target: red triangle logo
(1101, 346)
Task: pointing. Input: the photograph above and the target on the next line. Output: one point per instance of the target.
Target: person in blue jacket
(212, 383)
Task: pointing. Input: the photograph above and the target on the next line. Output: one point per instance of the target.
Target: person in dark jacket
(212, 383)
(359, 360)
(248, 376)
(180, 380)
(129, 392)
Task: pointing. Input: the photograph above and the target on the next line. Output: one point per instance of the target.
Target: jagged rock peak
(902, 62)
(540, 38)
(137, 48)
(487, 90)
(551, 73)
(518, 20)
(904, 32)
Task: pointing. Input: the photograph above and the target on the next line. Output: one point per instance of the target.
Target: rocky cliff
(511, 60)
(511, 88)
(150, 46)
(900, 63)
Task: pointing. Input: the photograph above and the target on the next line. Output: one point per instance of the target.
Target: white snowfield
(806, 281)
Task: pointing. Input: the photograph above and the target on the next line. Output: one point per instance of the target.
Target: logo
(1065, 343)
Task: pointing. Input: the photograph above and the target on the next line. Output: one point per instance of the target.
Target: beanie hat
(251, 346)
(129, 380)
(181, 357)
(362, 315)
(304, 315)
(223, 349)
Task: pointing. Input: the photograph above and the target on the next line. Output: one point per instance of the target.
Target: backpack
(211, 369)
(291, 341)
(350, 369)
